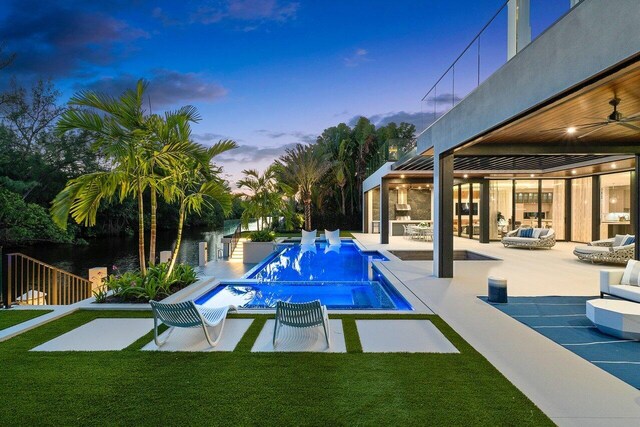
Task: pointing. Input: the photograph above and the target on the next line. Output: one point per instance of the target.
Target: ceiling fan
(615, 118)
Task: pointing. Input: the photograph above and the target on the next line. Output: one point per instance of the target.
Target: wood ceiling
(587, 105)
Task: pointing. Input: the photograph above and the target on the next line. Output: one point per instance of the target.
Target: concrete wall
(594, 36)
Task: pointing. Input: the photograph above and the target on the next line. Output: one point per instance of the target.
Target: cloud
(300, 136)
(248, 154)
(358, 57)
(209, 136)
(253, 12)
(443, 98)
(56, 39)
(166, 87)
(420, 120)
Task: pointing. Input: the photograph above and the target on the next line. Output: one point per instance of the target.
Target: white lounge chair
(188, 315)
(309, 237)
(301, 315)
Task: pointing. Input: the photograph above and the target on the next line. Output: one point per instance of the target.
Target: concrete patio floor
(570, 390)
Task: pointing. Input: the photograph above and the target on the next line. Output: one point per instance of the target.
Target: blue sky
(267, 73)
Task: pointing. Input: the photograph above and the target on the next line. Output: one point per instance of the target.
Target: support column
(443, 225)
(384, 211)
(567, 209)
(635, 205)
(485, 220)
(519, 26)
(595, 207)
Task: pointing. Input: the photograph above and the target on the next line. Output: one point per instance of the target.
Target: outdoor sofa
(621, 283)
(617, 250)
(531, 238)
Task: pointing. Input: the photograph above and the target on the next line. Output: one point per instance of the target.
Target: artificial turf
(10, 318)
(133, 387)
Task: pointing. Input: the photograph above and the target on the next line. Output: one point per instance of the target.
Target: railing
(235, 238)
(389, 151)
(32, 282)
(481, 57)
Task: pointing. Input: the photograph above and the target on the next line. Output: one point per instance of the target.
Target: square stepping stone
(193, 339)
(402, 336)
(301, 339)
(100, 335)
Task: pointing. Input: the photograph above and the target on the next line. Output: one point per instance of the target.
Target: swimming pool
(342, 278)
(319, 262)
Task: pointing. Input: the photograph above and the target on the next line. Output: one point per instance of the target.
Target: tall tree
(120, 130)
(264, 200)
(195, 183)
(301, 167)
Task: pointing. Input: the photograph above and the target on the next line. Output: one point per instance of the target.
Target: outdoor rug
(563, 320)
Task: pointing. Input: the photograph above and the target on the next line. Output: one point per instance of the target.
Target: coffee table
(615, 317)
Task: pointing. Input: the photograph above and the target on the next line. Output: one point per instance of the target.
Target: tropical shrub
(262, 236)
(157, 284)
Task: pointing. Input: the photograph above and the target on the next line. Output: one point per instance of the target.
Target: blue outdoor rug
(563, 320)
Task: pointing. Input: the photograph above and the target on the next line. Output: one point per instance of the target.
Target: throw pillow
(333, 237)
(631, 274)
(544, 232)
(617, 241)
(527, 232)
(536, 233)
(628, 240)
(308, 237)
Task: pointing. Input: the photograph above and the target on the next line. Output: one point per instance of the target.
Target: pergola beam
(523, 149)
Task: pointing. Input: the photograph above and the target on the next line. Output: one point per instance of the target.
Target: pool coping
(419, 306)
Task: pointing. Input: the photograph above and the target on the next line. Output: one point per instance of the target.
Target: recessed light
(613, 166)
(573, 172)
(571, 130)
(419, 188)
(532, 175)
(465, 176)
(402, 176)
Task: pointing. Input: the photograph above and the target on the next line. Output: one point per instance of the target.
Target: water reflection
(120, 251)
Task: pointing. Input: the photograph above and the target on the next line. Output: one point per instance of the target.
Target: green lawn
(132, 387)
(10, 318)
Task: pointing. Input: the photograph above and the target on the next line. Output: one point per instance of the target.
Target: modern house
(550, 139)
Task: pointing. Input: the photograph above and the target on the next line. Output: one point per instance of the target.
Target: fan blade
(634, 118)
(593, 131)
(628, 126)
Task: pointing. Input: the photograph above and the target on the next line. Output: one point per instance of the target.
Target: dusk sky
(266, 73)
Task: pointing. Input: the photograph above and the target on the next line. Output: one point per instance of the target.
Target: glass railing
(484, 55)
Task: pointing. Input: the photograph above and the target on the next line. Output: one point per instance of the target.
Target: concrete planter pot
(254, 252)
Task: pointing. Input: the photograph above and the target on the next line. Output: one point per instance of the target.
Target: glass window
(553, 205)
(526, 214)
(463, 209)
(615, 204)
(500, 203)
(581, 209)
(475, 211)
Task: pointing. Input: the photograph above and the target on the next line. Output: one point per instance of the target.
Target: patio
(566, 387)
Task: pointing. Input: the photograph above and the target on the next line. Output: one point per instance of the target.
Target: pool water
(342, 278)
(319, 262)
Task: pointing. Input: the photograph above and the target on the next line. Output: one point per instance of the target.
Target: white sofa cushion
(333, 237)
(627, 292)
(308, 237)
(514, 239)
(536, 233)
(587, 250)
(631, 274)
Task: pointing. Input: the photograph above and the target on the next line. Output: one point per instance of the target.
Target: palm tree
(301, 167)
(170, 146)
(342, 174)
(265, 200)
(195, 184)
(119, 128)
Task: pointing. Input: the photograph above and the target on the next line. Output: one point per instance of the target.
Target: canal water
(121, 252)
